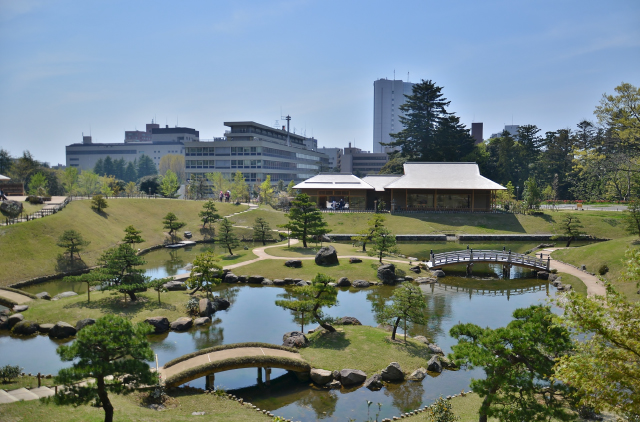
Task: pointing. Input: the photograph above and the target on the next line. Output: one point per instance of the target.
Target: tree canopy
(170, 222)
(73, 242)
(113, 346)
(226, 236)
(262, 230)
(205, 274)
(305, 219)
(407, 305)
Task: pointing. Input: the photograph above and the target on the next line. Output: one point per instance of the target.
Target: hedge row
(20, 292)
(226, 347)
(237, 363)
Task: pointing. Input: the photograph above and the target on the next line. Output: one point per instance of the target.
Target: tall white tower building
(388, 96)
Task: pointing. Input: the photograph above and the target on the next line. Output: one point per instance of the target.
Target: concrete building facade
(333, 158)
(257, 151)
(361, 163)
(388, 96)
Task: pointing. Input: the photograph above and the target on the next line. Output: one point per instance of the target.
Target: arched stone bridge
(207, 362)
(505, 258)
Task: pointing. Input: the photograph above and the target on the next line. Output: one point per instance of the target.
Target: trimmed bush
(603, 269)
(226, 347)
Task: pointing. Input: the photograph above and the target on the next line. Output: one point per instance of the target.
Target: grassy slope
(577, 285)
(610, 253)
(297, 252)
(29, 249)
(129, 408)
(272, 216)
(365, 348)
(272, 269)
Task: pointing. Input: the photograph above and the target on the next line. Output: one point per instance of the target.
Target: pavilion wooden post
(435, 200)
(473, 199)
(406, 199)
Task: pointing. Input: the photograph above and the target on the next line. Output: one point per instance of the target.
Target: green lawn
(272, 216)
(365, 348)
(130, 408)
(26, 382)
(275, 269)
(577, 285)
(29, 249)
(298, 251)
(610, 253)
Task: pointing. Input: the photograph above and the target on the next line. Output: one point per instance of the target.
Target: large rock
(426, 280)
(295, 339)
(421, 339)
(543, 275)
(435, 349)
(182, 324)
(11, 208)
(293, 263)
(4, 322)
(321, 376)
(352, 377)
(25, 328)
(418, 375)
(205, 307)
(257, 279)
(354, 260)
(231, 278)
(360, 284)
(434, 364)
(393, 372)
(62, 330)
(64, 295)
(14, 319)
(387, 274)
(438, 273)
(220, 304)
(34, 199)
(267, 282)
(279, 282)
(374, 383)
(415, 269)
(45, 328)
(327, 255)
(335, 384)
(174, 286)
(447, 363)
(20, 308)
(303, 283)
(160, 324)
(348, 321)
(84, 322)
(202, 321)
(43, 295)
(343, 282)
(553, 277)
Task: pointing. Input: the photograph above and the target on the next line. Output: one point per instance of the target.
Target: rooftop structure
(361, 163)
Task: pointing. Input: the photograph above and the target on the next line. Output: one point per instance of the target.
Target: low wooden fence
(49, 210)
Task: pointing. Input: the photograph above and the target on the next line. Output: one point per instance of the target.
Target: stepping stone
(6, 397)
(24, 394)
(43, 392)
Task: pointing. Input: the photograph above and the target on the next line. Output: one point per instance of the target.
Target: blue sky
(68, 67)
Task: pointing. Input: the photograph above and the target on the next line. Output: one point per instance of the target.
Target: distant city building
(257, 151)
(361, 163)
(140, 136)
(333, 158)
(388, 96)
(163, 141)
(476, 132)
(511, 129)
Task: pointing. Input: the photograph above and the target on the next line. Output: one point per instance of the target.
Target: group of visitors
(224, 196)
(338, 205)
(3, 197)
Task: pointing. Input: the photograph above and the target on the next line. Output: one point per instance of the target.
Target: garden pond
(485, 299)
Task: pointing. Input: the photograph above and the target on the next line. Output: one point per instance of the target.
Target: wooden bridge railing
(501, 257)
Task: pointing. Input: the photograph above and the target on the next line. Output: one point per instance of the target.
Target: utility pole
(288, 119)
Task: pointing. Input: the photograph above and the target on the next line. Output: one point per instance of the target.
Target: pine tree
(113, 346)
(226, 235)
(407, 304)
(108, 166)
(132, 236)
(118, 168)
(262, 231)
(365, 235)
(305, 219)
(206, 273)
(300, 305)
(98, 168)
(98, 203)
(571, 228)
(146, 166)
(119, 270)
(384, 242)
(170, 222)
(130, 174)
(73, 242)
(209, 214)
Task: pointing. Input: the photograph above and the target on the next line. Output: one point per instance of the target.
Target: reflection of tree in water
(378, 298)
(406, 396)
(208, 335)
(174, 263)
(299, 318)
(228, 292)
(158, 342)
(322, 402)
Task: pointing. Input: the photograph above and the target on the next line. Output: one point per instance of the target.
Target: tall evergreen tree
(118, 168)
(226, 236)
(73, 242)
(170, 222)
(98, 168)
(305, 219)
(146, 166)
(120, 270)
(108, 167)
(262, 230)
(132, 235)
(407, 304)
(209, 214)
(130, 174)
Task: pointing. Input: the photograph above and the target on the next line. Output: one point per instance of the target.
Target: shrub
(441, 411)
(193, 306)
(400, 273)
(9, 372)
(603, 269)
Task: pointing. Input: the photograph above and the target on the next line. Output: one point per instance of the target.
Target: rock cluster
(327, 255)
(387, 274)
(348, 321)
(295, 339)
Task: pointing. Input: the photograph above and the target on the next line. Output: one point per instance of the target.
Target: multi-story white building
(333, 155)
(163, 141)
(362, 163)
(388, 96)
(257, 151)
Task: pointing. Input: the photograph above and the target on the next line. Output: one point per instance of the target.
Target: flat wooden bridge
(505, 258)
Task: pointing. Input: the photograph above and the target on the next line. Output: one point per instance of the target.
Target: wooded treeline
(595, 160)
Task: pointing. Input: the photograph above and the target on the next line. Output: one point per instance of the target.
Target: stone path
(16, 297)
(594, 285)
